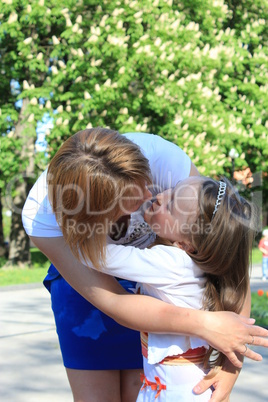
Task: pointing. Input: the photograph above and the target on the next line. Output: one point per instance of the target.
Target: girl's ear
(188, 247)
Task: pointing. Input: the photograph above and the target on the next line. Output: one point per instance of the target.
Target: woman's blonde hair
(223, 247)
(88, 180)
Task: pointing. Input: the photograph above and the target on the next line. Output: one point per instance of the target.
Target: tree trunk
(3, 249)
(19, 250)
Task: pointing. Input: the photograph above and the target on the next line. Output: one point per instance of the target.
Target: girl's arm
(227, 332)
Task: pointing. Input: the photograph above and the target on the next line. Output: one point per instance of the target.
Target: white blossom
(158, 41)
(12, 18)
(117, 11)
(175, 24)
(130, 120)
(31, 118)
(103, 20)
(75, 28)
(123, 110)
(55, 40)
(107, 83)
(122, 70)
(80, 52)
(181, 82)
(97, 87)
(178, 120)
(54, 70)
(89, 125)
(60, 109)
(39, 56)
(59, 121)
(33, 101)
(48, 104)
(79, 19)
(171, 57)
(30, 56)
(25, 85)
(119, 24)
(66, 122)
(68, 22)
(93, 39)
(138, 14)
(68, 108)
(80, 116)
(61, 64)
(87, 95)
(78, 79)
(27, 41)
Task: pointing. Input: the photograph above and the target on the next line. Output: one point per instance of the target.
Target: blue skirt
(89, 339)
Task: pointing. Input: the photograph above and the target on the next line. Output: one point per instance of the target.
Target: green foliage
(259, 309)
(194, 72)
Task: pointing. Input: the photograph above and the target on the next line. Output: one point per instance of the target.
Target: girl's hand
(221, 380)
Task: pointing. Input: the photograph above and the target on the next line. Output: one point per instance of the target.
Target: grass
(33, 274)
(256, 256)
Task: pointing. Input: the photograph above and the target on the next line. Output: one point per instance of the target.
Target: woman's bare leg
(130, 384)
(95, 385)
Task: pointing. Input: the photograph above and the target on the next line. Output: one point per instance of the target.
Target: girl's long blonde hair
(223, 247)
(88, 178)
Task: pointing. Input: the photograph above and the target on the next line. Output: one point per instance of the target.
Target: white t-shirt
(168, 163)
(166, 273)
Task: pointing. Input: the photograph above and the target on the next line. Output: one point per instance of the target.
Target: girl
(204, 260)
(97, 177)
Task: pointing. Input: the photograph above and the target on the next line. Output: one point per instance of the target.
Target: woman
(115, 168)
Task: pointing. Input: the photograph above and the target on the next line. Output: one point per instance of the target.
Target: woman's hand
(229, 333)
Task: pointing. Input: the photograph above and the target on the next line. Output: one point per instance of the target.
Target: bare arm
(262, 250)
(225, 379)
(225, 331)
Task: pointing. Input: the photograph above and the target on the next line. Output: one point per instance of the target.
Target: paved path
(31, 368)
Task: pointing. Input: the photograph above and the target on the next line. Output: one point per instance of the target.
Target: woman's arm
(225, 331)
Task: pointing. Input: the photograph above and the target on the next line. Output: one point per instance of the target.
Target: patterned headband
(221, 192)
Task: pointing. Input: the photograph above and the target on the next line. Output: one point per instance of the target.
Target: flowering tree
(193, 72)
